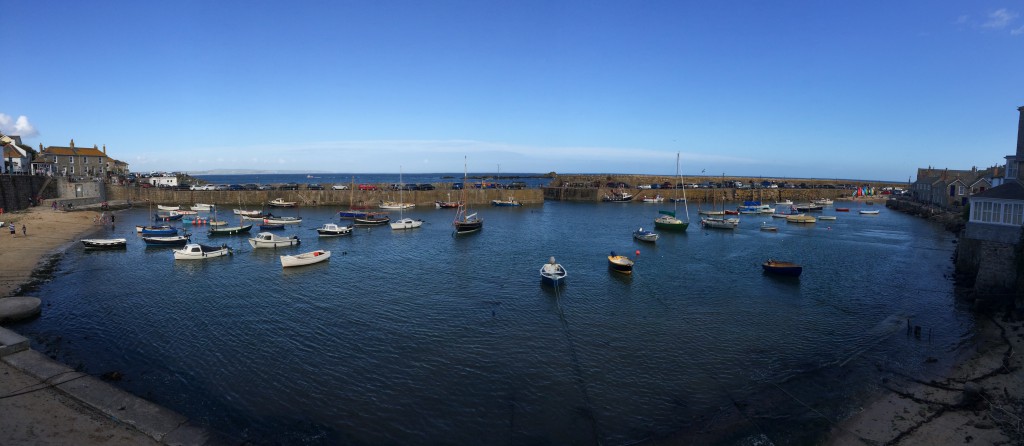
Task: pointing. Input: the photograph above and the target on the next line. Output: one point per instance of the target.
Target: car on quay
(426, 186)
(314, 186)
(367, 187)
(339, 187)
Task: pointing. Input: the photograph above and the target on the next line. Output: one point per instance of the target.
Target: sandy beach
(48, 231)
(980, 402)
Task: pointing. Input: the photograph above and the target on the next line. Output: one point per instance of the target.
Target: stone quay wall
(341, 198)
(16, 191)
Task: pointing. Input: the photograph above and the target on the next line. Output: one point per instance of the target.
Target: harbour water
(419, 337)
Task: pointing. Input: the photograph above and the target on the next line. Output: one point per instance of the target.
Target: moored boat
(842, 209)
(306, 258)
(140, 228)
(868, 212)
(645, 236)
(619, 196)
(782, 268)
(654, 199)
(171, 240)
(769, 228)
(333, 230)
(269, 240)
(280, 203)
(230, 230)
(720, 223)
(466, 222)
(553, 273)
(173, 216)
(283, 220)
(510, 202)
(105, 243)
(202, 207)
(372, 219)
(620, 264)
(167, 208)
(395, 205)
(800, 218)
(827, 217)
(271, 226)
(159, 230)
(248, 212)
(195, 251)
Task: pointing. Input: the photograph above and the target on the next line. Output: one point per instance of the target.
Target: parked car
(456, 186)
(222, 187)
(290, 186)
(426, 186)
(367, 187)
(314, 186)
(251, 186)
(265, 187)
(236, 187)
(339, 187)
(517, 185)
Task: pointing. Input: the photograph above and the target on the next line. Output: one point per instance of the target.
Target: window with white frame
(1011, 169)
(960, 190)
(998, 213)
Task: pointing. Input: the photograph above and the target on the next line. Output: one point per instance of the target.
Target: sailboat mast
(679, 179)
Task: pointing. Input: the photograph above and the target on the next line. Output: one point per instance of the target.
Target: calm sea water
(418, 337)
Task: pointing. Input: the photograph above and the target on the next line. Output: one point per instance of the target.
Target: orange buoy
(638, 252)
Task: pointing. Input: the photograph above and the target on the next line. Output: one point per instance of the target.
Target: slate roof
(76, 151)
(1010, 190)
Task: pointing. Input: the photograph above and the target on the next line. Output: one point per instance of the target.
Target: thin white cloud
(19, 126)
(962, 20)
(1017, 31)
(999, 19)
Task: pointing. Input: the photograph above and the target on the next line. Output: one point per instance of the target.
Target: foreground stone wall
(16, 191)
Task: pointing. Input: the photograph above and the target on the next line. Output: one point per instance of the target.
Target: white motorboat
(406, 223)
(270, 240)
(195, 251)
(645, 236)
(868, 212)
(279, 202)
(306, 258)
(247, 212)
(393, 205)
(654, 199)
(167, 208)
(333, 230)
(202, 207)
(784, 203)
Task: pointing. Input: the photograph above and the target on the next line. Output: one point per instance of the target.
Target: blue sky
(864, 90)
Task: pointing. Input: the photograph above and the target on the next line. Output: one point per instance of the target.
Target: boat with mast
(403, 222)
(353, 211)
(466, 222)
(668, 220)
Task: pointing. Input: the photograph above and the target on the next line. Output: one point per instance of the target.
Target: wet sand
(981, 401)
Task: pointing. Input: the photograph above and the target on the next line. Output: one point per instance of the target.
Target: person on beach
(54, 205)
(12, 230)
(24, 231)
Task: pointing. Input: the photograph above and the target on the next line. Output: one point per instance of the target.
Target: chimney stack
(1020, 135)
